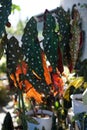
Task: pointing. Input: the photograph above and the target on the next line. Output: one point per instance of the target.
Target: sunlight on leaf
(15, 7)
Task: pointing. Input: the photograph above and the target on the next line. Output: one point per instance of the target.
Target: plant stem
(21, 105)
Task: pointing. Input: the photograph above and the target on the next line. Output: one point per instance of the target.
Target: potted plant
(27, 64)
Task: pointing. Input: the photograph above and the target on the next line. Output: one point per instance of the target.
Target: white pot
(77, 104)
(43, 121)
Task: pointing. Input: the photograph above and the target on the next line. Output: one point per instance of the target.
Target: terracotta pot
(45, 121)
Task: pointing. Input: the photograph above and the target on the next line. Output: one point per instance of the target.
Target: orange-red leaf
(46, 72)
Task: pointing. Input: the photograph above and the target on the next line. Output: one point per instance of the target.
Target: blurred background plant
(4, 98)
